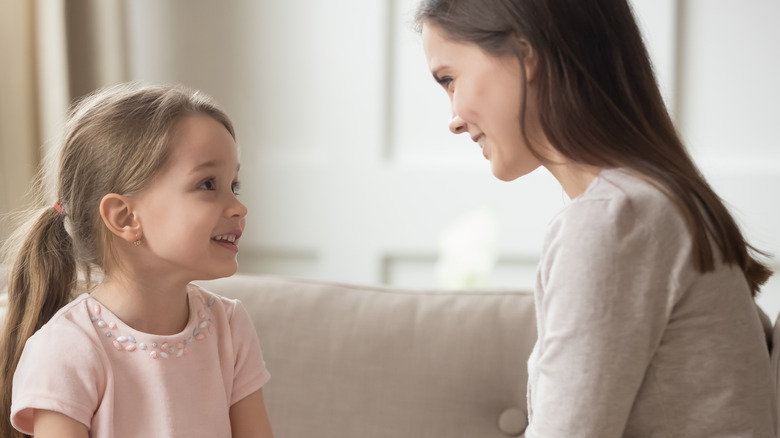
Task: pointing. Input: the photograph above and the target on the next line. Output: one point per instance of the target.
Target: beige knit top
(633, 341)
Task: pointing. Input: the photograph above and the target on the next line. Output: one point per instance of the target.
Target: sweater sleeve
(607, 293)
(60, 370)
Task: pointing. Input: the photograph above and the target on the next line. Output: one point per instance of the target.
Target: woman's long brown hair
(599, 103)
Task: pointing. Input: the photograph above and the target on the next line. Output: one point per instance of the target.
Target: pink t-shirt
(87, 364)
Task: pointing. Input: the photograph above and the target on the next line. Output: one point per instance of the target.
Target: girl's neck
(147, 306)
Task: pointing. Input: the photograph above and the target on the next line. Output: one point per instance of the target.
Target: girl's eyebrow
(204, 165)
(210, 164)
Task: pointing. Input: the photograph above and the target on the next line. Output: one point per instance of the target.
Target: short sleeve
(250, 372)
(60, 370)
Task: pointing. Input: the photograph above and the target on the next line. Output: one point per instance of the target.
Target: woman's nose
(457, 125)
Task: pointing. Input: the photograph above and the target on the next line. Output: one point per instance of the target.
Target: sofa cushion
(359, 361)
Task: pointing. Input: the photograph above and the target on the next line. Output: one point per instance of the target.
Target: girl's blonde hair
(116, 140)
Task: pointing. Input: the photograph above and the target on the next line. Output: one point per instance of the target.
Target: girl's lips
(228, 245)
(228, 240)
(232, 246)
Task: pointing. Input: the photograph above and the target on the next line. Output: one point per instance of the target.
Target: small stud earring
(137, 240)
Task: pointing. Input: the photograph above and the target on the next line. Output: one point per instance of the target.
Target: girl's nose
(457, 125)
(237, 208)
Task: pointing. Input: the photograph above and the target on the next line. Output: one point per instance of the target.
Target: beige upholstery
(353, 361)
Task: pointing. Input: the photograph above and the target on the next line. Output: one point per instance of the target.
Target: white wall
(350, 173)
(728, 112)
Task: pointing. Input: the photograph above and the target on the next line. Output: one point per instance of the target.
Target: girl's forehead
(201, 133)
(200, 140)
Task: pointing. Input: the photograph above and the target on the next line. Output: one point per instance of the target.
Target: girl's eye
(209, 184)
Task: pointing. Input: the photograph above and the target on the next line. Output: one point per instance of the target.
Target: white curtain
(52, 51)
(18, 105)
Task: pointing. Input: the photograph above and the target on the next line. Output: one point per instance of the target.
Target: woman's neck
(573, 177)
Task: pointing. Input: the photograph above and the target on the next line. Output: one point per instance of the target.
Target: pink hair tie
(59, 208)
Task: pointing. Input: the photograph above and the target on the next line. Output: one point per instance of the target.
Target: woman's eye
(444, 81)
(236, 187)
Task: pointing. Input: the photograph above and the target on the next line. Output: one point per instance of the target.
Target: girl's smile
(228, 240)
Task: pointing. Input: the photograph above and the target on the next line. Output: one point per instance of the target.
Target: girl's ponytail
(40, 282)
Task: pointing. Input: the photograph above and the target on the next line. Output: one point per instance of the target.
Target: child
(644, 295)
(147, 190)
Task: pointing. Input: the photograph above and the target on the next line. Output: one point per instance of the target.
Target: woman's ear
(530, 59)
(117, 214)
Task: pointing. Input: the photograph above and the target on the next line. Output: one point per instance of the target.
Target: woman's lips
(481, 142)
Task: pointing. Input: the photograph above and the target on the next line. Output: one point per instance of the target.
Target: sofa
(354, 361)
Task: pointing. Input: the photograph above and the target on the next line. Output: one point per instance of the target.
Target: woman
(646, 319)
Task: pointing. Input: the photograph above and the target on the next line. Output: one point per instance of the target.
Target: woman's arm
(54, 424)
(248, 418)
(607, 291)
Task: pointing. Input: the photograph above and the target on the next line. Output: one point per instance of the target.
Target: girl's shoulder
(72, 318)
(69, 333)
(227, 314)
(202, 298)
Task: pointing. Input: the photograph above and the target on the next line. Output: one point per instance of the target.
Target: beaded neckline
(169, 349)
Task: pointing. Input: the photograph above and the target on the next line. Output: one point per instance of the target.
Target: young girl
(146, 190)
(646, 321)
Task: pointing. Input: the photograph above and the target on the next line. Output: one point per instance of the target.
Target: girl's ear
(118, 216)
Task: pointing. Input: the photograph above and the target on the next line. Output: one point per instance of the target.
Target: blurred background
(348, 169)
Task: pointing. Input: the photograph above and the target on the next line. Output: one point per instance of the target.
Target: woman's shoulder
(620, 198)
(621, 222)
(620, 209)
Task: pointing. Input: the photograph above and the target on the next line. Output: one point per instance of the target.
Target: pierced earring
(137, 240)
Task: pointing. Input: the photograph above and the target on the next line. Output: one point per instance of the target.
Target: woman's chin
(507, 174)
(502, 173)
